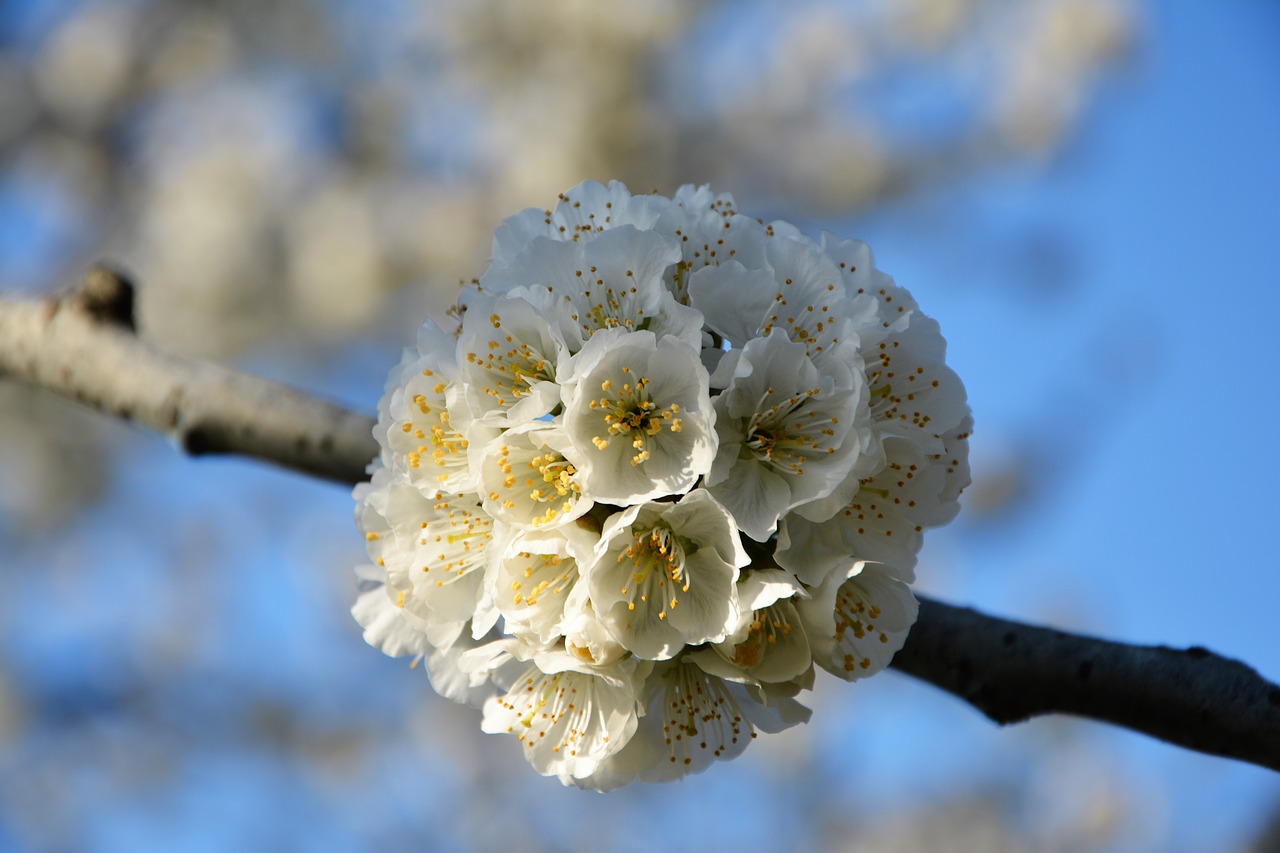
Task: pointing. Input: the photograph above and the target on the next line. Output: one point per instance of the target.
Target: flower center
(768, 626)
(555, 487)
(454, 542)
(658, 558)
(542, 573)
(780, 434)
(445, 446)
(631, 414)
(514, 366)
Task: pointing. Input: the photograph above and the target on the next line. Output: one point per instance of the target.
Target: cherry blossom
(673, 461)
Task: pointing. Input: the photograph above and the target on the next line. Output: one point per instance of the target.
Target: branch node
(106, 295)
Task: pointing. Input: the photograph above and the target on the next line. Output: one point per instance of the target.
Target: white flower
(528, 483)
(710, 231)
(434, 550)
(788, 434)
(507, 361)
(437, 644)
(664, 575)
(769, 644)
(613, 281)
(638, 414)
(582, 213)
(797, 289)
(674, 458)
(912, 391)
(535, 579)
(416, 427)
(393, 618)
(859, 274)
(568, 718)
(885, 519)
(585, 636)
(858, 619)
(691, 720)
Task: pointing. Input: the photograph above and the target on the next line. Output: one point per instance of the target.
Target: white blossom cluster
(673, 458)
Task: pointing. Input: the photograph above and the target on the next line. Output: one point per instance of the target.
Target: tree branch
(83, 346)
(1011, 672)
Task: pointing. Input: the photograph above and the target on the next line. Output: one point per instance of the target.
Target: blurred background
(1085, 194)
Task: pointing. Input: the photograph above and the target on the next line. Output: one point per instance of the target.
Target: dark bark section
(1011, 671)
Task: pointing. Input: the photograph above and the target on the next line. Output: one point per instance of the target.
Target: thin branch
(83, 346)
